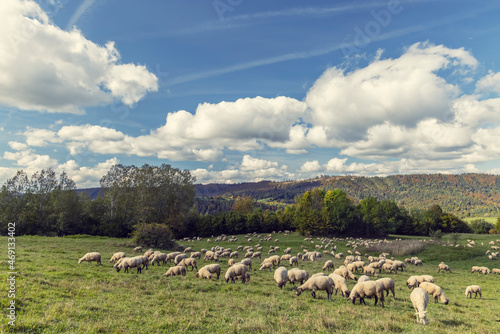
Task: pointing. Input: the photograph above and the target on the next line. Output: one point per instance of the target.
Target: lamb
(117, 256)
(436, 291)
(89, 257)
(175, 271)
(129, 262)
(344, 272)
(297, 275)
(317, 283)
(190, 261)
(363, 278)
(213, 268)
(388, 285)
(179, 258)
(420, 298)
(473, 289)
(238, 269)
(443, 266)
(281, 277)
(328, 264)
(368, 289)
(418, 262)
(340, 284)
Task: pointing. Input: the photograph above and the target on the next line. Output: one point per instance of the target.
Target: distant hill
(466, 195)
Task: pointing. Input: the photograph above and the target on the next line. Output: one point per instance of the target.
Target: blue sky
(240, 90)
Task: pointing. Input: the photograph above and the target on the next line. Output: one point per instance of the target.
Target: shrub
(481, 226)
(153, 235)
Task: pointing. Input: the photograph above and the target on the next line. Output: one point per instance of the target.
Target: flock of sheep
(423, 285)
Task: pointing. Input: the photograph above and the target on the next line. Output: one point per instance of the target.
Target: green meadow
(55, 294)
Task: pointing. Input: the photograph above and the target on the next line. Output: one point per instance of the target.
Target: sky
(250, 90)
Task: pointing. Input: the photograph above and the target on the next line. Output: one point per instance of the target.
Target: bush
(153, 235)
(481, 226)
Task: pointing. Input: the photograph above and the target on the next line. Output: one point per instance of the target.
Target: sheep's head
(346, 293)
(299, 291)
(422, 317)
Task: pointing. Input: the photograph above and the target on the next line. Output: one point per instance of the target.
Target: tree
(244, 204)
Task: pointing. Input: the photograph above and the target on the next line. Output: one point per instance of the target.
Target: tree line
(132, 197)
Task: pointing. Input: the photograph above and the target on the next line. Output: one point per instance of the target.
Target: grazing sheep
(485, 270)
(418, 263)
(329, 264)
(344, 272)
(297, 275)
(368, 289)
(367, 270)
(137, 249)
(159, 257)
(179, 258)
(266, 265)
(189, 261)
(436, 291)
(175, 271)
(89, 257)
(196, 255)
(443, 266)
(415, 281)
(213, 268)
(149, 252)
(363, 278)
(204, 273)
(117, 256)
(475, 269)
(473, 289)
(495, 271)
(238, 269)
(231, 262)
(256, 254)
(388, 285)
(420, 298)
(247, 262)
(318, 283)
(285, 258)
(340, 284)
(171, 256)
(399, 265)
(294, 260)
(281, 276)
(389, 267)
(129, 262)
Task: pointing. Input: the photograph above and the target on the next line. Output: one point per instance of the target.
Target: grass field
(55, 294)
(491, 220)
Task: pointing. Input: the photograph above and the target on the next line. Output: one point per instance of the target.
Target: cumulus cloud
(45, 68)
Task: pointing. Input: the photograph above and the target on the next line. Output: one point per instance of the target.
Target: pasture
(55, 294)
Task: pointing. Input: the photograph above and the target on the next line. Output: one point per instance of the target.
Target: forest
(132, 197)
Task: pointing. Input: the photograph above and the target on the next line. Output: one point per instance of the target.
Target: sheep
(297, 275)
(281, 277)
(231, 262)
(256, 254)
(266, 265)
(285, 257)
(485, 270)
(399, 265)
(137, 249)
(210, 268)
(443, 266)
(179, 258)
(149, 252)
(418, 263)
(415, 281)
(367, 270)
(171, 256)
(294, 260)
(117, 256)
(247, 262)
(159, 257)
(340, 284)
(328, 264)
(175, 271)
(189, 261)
(389, 267)
(495, 271)
(436, 291)
(420, 298)
(317, 283)
(129, 262)
(238, 269)
(475, 269)
(388, 285)
(368, 289)
(363, 278)
(473, 289)
(196, 255)
(89, 257)
(344, 272)
(204, 273)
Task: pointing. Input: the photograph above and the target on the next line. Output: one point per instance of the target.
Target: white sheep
(318, 283)
(213, 268)
(495, 271)
(281, 276)
(129, 262)
(196, 255)
(204, 273)
(175, 271)
(247, 262)
(137, 249)
(297, 275)
(444, 266)
(420, 298)
(189, 262)
(329, 265)
(238, 269)
(436, 291)
(415, 281)
(294, 261)
(367, 270)
(473, 289)
(117, 256)
(363, 278)
(266, 265)
(158, 257)
(388, 285)
(368, 289)
(171, 256)
(89, 257)
(340, 284)
(344, 272)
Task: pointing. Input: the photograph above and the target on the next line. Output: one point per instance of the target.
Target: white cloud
(18, 146)
(45, 68)
(490, 82)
